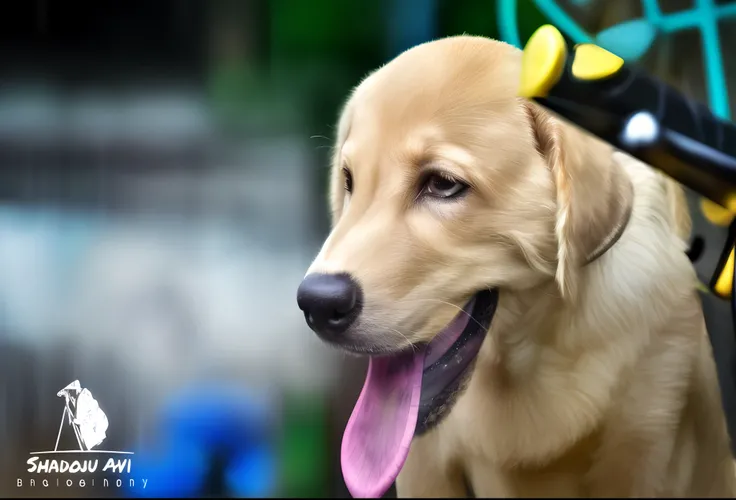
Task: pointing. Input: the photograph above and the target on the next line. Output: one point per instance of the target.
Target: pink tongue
(378, 435)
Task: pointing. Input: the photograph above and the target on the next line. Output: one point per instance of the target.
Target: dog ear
(594, 195)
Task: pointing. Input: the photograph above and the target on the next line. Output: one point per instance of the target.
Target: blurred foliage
(304, 29)
(305, 465)
(474, 17)
(479, 17)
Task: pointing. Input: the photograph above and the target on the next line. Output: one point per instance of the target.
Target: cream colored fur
(594, 380)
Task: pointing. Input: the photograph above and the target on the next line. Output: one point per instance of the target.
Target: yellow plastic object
(716, 214)
(591, 62)
(542, 62)
(724, 283)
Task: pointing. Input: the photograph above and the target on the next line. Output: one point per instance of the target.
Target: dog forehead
(446, 69)
(378, 137)
(447, 84)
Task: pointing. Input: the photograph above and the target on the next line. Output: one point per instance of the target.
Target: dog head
(444, 184)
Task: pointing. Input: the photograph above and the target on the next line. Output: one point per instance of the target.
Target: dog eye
(348, 180)
(443, 186)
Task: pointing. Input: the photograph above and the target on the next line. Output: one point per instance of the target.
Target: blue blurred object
(252, 473)
(215, 415)
(211, 431)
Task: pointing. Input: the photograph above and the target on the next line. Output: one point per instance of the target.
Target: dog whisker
(403, 335)
(411, 344)
(470, 316)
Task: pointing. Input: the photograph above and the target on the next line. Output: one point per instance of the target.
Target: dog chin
(367, 350)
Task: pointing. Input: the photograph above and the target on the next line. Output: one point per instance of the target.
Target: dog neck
(539, 309)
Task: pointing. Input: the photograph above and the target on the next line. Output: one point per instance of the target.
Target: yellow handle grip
(542, 62)
(592, 62)
(544, 57)
(724, 283)
(717, 214)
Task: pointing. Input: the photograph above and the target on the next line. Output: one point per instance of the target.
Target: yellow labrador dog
(522, 291)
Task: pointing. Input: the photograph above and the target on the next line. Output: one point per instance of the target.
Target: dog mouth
(407, 393)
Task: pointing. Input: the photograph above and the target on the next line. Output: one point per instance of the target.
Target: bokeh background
(162, 192)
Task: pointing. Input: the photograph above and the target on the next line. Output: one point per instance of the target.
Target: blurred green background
(162, 192)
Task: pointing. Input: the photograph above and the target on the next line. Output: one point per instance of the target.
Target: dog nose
(331, 303)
